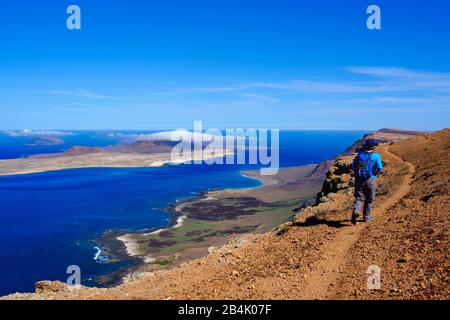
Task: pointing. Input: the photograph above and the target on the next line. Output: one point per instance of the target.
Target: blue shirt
(376, 166)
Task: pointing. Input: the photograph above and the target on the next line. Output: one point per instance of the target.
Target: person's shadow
(314, 221)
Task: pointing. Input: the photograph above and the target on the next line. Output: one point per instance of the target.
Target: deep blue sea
(51, 220)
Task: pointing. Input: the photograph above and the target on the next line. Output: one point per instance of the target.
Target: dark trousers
(364, 195)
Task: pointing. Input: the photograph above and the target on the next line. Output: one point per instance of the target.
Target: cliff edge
(319, 254)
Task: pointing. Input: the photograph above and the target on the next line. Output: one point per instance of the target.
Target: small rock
(404, 259)
(212, 249)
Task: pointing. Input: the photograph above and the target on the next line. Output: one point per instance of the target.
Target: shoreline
(127, 245)
(133, 241)
(175, 208)
(60, 162)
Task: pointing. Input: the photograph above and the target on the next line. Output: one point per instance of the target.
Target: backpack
(363, 166)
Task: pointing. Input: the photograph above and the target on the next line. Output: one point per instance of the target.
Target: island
(125, 155)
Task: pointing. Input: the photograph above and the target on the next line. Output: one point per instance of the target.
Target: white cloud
(195, 90)
(80, 93)
(379, 80)
(163, 136)
(406, 79)
(393, 72)
(32, 133)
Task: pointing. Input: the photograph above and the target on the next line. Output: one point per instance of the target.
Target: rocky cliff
(319, 254)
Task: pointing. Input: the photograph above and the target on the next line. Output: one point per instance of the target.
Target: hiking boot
(368, 218)
(354, 217)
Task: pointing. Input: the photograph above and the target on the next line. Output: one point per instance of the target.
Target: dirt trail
(324, 276)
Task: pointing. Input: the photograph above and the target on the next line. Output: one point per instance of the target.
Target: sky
(307, 65)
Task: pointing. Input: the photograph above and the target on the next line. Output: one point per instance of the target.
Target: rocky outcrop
(50, 287)
(339, 177)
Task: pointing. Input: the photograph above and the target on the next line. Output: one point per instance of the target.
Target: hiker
(366, 165)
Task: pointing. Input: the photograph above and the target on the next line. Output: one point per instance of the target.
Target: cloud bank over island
(37, 133)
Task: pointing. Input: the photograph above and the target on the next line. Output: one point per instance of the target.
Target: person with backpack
(366, 166)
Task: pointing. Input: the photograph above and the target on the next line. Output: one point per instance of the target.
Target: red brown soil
(320, 255)
(78, 151)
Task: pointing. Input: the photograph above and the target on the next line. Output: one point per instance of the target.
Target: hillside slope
(319, 254)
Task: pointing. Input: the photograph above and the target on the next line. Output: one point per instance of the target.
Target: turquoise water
(52, 220)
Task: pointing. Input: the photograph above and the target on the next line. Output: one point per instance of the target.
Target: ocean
(51, 220)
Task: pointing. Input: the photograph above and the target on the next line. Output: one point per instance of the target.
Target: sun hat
(371, 143)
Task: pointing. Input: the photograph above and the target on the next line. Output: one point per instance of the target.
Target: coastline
(264, 180)
(59, 162)
(187, 236)
(128, 246)
(200, 224)
(132, 247)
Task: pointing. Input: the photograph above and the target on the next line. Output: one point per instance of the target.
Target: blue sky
(275, 64)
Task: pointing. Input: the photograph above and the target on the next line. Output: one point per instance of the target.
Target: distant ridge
(144, 147)
(381, 136)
